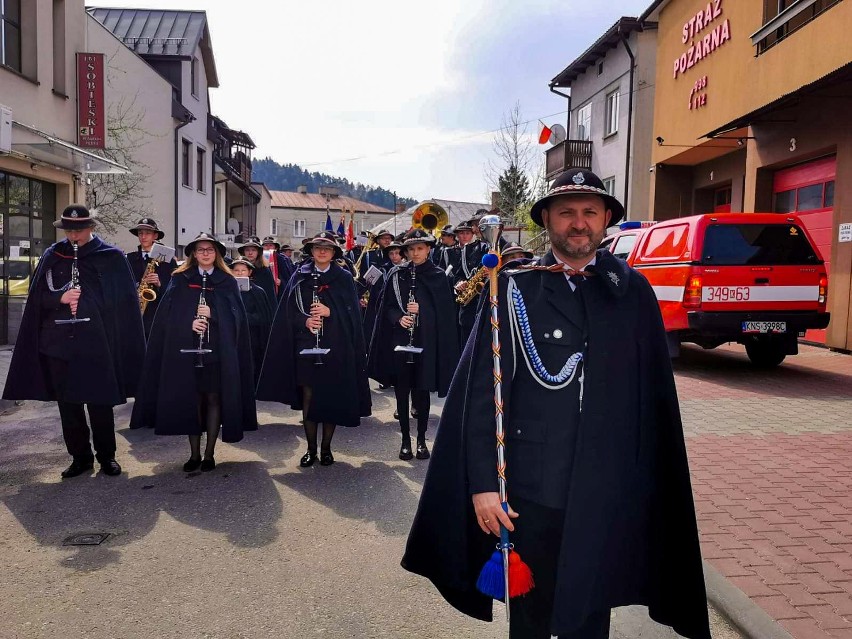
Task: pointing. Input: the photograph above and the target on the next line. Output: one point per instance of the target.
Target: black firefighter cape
(341, 393)
(630, 534)
(436, 330)
(103, 354)
(167, 400)
(259, 315)
(138, 266)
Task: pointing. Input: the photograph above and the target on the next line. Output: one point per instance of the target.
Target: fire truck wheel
(766, 353)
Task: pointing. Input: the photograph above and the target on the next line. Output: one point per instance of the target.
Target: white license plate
(764, 327)
(726, 294)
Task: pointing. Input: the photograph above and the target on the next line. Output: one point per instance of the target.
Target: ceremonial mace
(504, 575)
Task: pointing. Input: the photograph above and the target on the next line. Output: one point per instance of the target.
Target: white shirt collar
(590, 263)
(201, 271)
(323, 270)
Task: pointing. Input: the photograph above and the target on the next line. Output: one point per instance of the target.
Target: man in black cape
(148, 233)
(258, 312)
(600, 501)
(447, 255)
(92, 364)
(340, 390)
(432, 369)
(166, 400)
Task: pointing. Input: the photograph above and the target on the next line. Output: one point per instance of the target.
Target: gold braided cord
(555, 268)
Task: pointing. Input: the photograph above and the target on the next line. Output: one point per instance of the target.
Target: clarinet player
(91, 364)
(198, 376)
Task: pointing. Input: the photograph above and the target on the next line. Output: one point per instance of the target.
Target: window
(200, 163)
(186, 169)
(600, 68)
(298, 228)
(805, 198)
(273, 226)
(59, 71)
(584, 122)
(666, 243)
(783, 17)
(10, 34)
(611, 113)
(193, 76)
(756, 245)
(609, 185)
(624, 245)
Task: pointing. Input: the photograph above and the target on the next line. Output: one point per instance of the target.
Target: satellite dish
(557, 134)
(233, 226)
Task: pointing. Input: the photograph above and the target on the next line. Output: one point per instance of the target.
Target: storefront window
(19, 191)
(810, 198)
(785, 201)
(19, 225)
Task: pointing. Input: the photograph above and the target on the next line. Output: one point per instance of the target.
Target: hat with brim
(383, 234)
(464, 226)
(75, 218)
(513, 251)
(252, 241)
(270, 239)
(326, 239)
(148, 224)
(242, 261)
(417, 236)
(577, 182)
(205, 237)
(448, 230)
(285, 247)
(393, 245)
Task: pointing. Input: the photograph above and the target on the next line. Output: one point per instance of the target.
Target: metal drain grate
(85, 539)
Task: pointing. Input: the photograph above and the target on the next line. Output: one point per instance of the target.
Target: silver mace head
(491, 228)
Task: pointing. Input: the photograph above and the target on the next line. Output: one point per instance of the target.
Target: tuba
(430, 216)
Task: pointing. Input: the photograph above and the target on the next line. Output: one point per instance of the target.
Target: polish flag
(544, 136)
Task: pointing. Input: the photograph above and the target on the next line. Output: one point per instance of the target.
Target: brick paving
(771, 460)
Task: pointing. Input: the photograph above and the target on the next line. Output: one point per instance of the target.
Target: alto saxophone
(471, 289)
(146, 292)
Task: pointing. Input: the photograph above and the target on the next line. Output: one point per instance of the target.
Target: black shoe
(110, 468)
(326, 458)
(308, 459)
(405, 453)
(192, 465)
(77, 468)
(208, 464)
(422, 450)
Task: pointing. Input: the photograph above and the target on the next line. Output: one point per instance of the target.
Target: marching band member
(258, 312)
(471, 251)
(191, 392)
(284, 266)
(81, 340)
(422, 309)
(600, 506)
(446, 255)
(320, 307)
(147, 231)
(253, 252)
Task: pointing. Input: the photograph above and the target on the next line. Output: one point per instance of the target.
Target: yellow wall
(737, 81)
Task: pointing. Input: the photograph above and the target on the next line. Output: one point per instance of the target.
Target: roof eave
(599, 49)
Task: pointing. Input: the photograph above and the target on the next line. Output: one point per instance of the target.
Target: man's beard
(566, 249)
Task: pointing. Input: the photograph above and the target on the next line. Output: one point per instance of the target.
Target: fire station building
(751, 113)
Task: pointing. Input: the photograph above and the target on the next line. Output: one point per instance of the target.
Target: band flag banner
(91, 109)
(350, 234)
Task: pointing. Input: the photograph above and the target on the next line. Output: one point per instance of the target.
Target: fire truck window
(756, 244)
(624, 245)
(785, 201)
(667, 243)
(810, 198)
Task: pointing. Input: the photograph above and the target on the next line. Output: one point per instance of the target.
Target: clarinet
(74, 284)
(412, 316)
(315, 299)
(201, 351)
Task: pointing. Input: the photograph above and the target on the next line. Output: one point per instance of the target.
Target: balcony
(569, 154)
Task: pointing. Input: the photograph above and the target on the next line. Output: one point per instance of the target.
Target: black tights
(421, 401)
(210, 418)
(312, 428)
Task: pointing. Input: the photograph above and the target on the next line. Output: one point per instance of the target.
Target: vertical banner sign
(91, 109)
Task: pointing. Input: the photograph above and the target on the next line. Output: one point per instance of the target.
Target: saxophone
(145, 291)
(471, 289)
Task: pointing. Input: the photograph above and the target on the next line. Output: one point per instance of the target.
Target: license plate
(726, 294)
(764, 327)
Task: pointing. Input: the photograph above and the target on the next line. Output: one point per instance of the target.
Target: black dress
(259, 316)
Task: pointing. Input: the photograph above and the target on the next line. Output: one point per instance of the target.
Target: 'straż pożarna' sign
(91, 109)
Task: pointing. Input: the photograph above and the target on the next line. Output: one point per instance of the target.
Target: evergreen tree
(514, 190)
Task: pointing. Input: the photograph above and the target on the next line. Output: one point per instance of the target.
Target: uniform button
(547, 336)
(519, 431)
(557, 334)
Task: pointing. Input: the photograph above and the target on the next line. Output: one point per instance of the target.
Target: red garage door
(808, 190)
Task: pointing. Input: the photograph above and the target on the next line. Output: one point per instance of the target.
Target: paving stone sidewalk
(771, 460)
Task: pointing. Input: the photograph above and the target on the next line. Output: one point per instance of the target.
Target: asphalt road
(257, 548)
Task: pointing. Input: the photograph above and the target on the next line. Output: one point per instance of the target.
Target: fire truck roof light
(636, 224)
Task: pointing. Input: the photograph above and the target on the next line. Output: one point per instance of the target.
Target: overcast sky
(410, 89)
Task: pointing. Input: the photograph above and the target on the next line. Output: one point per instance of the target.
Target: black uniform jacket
(285, 272)
(259, 316)
(444, 256)
(167, 399)
(138, 265)
(103, 354)
(341, 393)
(262, 277)
(435, 331)
(630, 534)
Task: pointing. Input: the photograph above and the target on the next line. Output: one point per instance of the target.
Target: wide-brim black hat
(205, 237)
(243, 261)
(285, 247)
(417, 236)
(270, 239)
(326, 238)
(578, 182)
(513, 251)
(75, 217)
(393, 245)
(464, 226)
(252, 241)
(382, 233)
(448, 230)
(148, 224)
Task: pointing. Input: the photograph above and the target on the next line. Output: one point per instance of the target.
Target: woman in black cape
(258, 312)
(337, 391)
(253, 252)
(435, 332)
(177, 396)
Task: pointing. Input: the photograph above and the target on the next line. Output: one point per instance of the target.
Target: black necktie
(576, 280)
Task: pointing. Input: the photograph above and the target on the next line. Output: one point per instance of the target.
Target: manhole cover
(85, 539)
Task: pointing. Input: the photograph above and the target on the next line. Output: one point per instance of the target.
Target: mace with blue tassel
(504, 575)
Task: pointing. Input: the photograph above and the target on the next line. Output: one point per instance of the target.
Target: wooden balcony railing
(569, 154)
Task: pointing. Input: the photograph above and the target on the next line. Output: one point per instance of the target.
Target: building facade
(611, 110)
(750, 115)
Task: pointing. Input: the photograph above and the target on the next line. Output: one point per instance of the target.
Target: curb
(749, 618)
